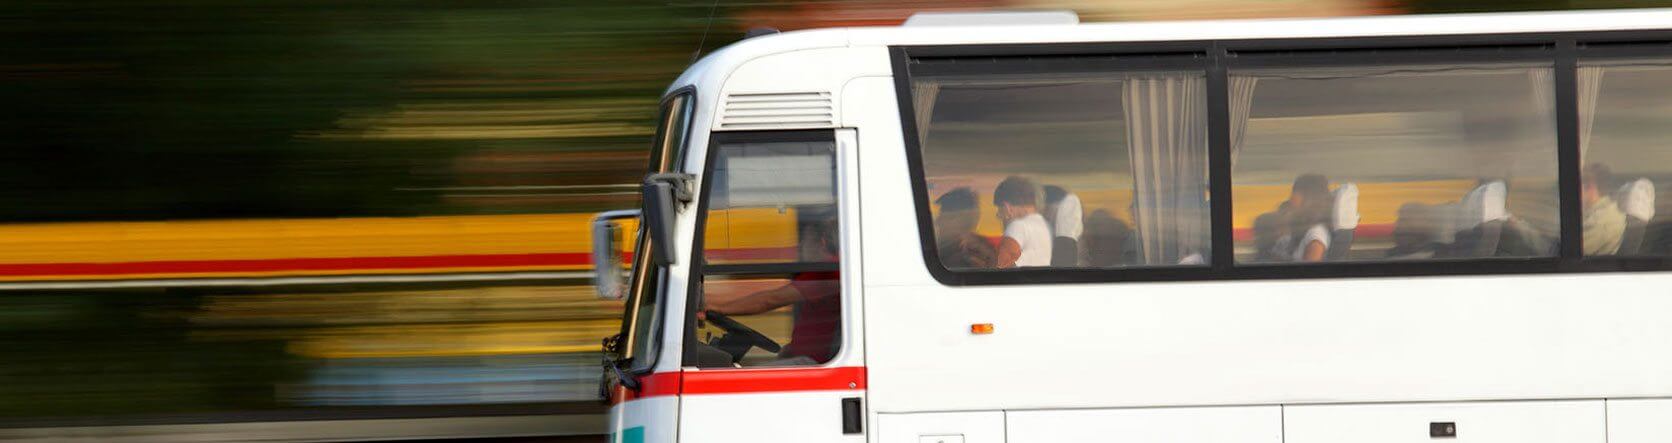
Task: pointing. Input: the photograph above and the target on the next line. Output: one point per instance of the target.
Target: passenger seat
(1637, 200)
(1480, 222)
(1344, 218)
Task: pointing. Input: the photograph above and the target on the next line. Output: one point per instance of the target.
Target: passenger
(1027, 238)
(1604, 224)
(1415, 232)
(1305, 220)
(1105, 240)
(956, 242)
(1063, 215)
(817, 296)
(1268, 231)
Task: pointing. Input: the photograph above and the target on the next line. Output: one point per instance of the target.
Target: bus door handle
(851, 416)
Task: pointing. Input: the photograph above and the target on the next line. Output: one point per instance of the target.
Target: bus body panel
(1270, 342)
(645, 420)
(1486, 422)
(802, 416)
(941, 427)
(796, 75)
(1638, 420)
(884, 171)
(1255, 424)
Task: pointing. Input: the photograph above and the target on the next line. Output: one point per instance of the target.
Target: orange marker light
(981, 328)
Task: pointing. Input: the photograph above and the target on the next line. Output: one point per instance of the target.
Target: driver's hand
(702, 314)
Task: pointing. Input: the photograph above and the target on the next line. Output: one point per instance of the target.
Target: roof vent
(778, 110)
(1060, 17)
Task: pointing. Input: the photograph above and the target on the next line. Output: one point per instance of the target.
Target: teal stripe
(629, 435)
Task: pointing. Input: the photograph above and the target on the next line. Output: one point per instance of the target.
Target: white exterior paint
(1511, 422)
(651, 418)
(811, 417)
(1363, 360)
(941, 427)
(1639, 420)
(1258, 424)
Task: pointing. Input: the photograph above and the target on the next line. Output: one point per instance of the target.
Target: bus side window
(1087, 170)
(1624, 110)
(771, 292)
(1440, 161)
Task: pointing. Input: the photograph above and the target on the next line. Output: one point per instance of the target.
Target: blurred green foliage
(117, 109)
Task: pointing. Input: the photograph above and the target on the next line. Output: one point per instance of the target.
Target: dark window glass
(1625, 122)
(764, 197)
(771, 293)
(1068, 171)
(1393, 162)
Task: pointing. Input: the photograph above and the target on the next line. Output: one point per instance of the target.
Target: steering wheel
(739, 337)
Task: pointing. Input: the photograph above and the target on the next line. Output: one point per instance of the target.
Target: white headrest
(1345, 215)
(1483, 204)
(1068, 216)
(1637, 199)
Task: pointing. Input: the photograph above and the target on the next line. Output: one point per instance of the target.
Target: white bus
(1017, 228)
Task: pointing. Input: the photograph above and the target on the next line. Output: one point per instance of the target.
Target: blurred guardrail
(303, 359)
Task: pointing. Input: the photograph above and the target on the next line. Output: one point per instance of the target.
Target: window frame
(660, 161)
(1612, 50)
(1218, 57)
(700, 267)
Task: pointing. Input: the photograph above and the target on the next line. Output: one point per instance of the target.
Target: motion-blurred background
(409, 180)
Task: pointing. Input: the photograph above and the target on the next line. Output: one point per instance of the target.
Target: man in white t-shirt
(1027, 238)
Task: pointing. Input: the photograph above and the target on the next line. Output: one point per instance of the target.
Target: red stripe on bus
(728, 381)
(742, 381)
(659, 384)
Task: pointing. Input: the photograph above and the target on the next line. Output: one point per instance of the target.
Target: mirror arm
(682, 185)
(628, 381)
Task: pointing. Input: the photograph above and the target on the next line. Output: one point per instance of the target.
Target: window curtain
(1166, 129)
(923, 94)
(1242, 100)
(1590, 84)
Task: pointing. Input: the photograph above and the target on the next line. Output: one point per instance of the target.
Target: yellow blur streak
(294, 238)
(415, 323)
(455, 340)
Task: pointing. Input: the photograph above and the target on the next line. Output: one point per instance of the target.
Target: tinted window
(1393, 162)
(771, 293)
(1092, 170)
(1625, 124)
(763, 196)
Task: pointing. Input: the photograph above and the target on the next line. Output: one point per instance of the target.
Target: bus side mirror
(663, 195)
(608, 277)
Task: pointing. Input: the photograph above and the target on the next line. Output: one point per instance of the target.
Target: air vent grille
(787, 110)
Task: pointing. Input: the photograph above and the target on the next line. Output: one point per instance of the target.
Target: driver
(818, 293)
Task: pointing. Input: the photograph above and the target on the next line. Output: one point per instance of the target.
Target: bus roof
(1242, 29)
(1249, 29)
